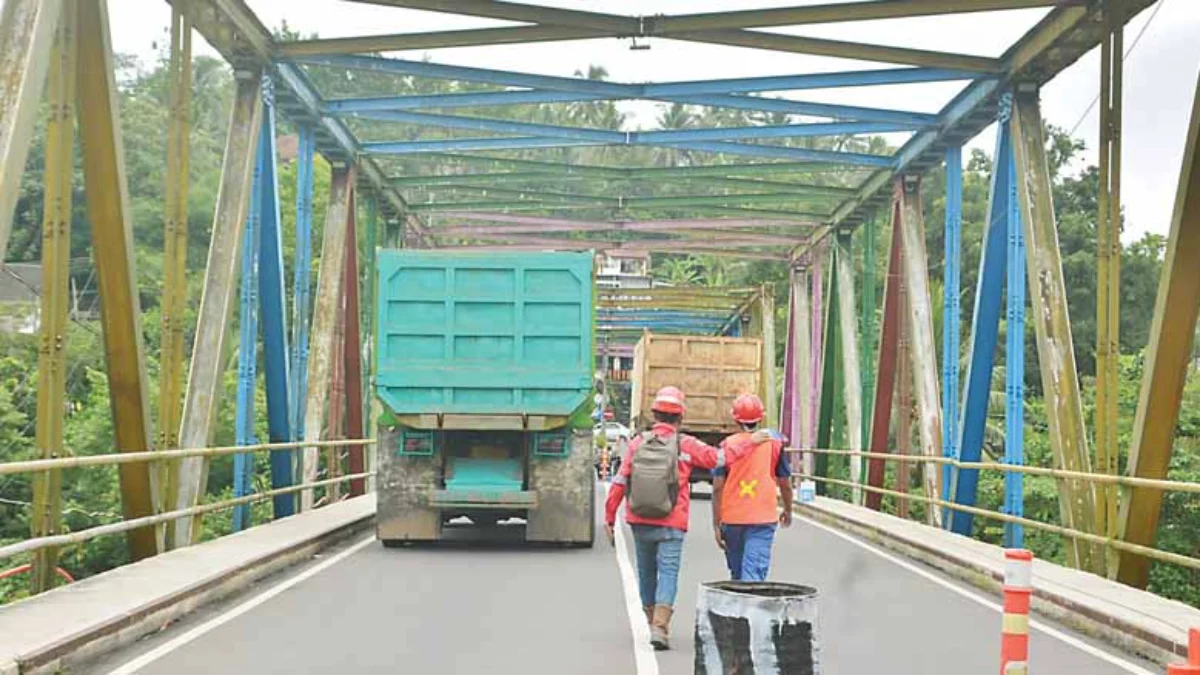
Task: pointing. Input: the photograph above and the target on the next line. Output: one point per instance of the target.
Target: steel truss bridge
(464, 157)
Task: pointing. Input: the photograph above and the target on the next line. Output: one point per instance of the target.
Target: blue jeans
(748, 551)
(659, 550)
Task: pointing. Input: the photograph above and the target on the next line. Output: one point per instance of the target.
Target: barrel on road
(764, 628)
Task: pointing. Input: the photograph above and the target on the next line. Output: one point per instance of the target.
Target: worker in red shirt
(745, 509)
(654, 475)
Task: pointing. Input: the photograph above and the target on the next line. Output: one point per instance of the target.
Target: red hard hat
(748, 409)
(608, 415)
(668, 400)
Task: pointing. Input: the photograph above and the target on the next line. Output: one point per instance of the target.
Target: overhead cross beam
(724, 28)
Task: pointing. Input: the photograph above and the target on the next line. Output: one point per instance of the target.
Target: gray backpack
(654, 476)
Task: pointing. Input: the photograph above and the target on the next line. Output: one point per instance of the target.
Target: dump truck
(711, 371)
(485, 375)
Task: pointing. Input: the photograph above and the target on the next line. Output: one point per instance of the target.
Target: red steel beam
(885, 386)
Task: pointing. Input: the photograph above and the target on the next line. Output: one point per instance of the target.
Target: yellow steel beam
(718, 28)
(920, 325)
(1056, 349)
(796, 44)
(370, 44)
(174, 303)
(769, 386)
(1167, 355)
(26, 33)
(112, 243)
(751, 18)
(46, 515)
(326, 309)
(1108, 268)
(220, 285)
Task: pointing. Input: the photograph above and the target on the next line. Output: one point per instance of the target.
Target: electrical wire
(1133, 45)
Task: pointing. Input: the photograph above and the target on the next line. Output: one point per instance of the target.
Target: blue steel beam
(985, 329)
(528, 142)
(1014, 360)
(536, 96)
(859, 78)
(638, 137)
(951, 313)
(273, 308)
(247, 373)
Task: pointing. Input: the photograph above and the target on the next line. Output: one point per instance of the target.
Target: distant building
(624, 269)
(20, 297)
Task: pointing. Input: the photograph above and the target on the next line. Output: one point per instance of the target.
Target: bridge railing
(58, 541)
(1109, 543)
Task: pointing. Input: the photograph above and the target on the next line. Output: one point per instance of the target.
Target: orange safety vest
(749, 494)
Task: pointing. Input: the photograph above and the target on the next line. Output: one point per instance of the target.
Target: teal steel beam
(743, 169)
(806, 130)
(716, 147)
(485, 99)
(466, 181)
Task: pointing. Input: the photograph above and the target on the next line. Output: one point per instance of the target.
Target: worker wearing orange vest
(745, 509)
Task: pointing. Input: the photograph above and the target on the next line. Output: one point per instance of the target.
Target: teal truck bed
(484, 334)
(485, 361)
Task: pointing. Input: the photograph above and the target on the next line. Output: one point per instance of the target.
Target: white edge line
(1082, 646)
(643, 653)
(162, 650)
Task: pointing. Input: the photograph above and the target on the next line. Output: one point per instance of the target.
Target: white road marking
(217, 621)
(643, 652)
(1127, 666)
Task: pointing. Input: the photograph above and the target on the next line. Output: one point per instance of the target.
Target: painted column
(1014, 362)
(851, 366)
(27, 30)
(1169, 350)
(113, 249)
(326, 309)
(924, 354)
(243, 463)
(216, 302)
(45, 515)
(985, 331)
(951, 310)
(273, 308)
(1056, 349)
(889, 339)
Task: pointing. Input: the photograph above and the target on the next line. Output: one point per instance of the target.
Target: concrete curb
(153, 614)
(1090, 621)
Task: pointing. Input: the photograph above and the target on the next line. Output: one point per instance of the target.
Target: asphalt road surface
(506, 608)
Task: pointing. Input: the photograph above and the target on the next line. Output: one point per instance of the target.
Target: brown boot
(649, 610)
(660, 627)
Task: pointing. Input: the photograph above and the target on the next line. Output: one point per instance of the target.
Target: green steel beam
(374, 44)
(1170, 350)
(825, 396)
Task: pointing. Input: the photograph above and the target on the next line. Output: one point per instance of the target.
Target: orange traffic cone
(1018, 591)
(1192, 667)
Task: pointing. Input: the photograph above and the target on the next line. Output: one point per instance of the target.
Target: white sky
(1160, 75)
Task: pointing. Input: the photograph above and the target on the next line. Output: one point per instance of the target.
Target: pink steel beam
(816, 355)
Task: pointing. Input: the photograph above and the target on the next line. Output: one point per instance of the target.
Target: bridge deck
(505, 608)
